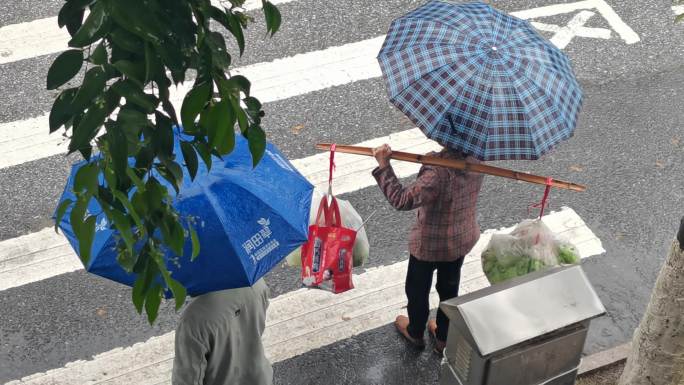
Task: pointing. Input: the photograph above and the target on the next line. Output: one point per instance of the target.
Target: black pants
(418, 286)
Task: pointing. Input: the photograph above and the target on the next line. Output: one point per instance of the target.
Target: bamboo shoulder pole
(457, 164)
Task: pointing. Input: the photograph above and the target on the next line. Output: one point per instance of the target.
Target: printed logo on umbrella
(260, 244)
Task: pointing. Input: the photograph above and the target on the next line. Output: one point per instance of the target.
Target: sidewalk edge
(603, 359)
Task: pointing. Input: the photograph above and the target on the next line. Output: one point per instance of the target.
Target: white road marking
(43, 36)
(302, 320)
(625, 31)
(565, 34)
(552, 10)
(45, 254)
(594, 33)
(28, 140)
(620, 27)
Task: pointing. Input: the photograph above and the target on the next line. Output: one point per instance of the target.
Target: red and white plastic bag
(328, 255)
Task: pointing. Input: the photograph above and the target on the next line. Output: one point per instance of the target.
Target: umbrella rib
(422, 77)
(468, 31)
(538, 153)
(557, 74)
(547, 64)
(465, 83)
(211, 198)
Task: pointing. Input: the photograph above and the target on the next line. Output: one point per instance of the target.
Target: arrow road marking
(565, 34)
(576, 27)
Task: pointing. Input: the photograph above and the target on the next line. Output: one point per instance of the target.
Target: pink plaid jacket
(446, 227)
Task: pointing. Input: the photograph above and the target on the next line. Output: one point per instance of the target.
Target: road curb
(605, 358)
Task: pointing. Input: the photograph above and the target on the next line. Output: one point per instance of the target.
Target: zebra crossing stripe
(43, 36)
(303, 320)
(45, 254)
(27, 140)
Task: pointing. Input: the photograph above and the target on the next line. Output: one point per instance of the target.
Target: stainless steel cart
(527, 331)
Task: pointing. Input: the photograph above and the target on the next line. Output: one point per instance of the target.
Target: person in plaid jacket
(446, 229)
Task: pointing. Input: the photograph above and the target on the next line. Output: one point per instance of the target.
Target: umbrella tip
(680, 235)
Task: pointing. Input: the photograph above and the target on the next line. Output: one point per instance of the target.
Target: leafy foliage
(133, 51)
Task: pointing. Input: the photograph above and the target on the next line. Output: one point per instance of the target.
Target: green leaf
(111, 182)
(163, 135)
(195, 243)
(257, 143)
(126, 40)
(190, 157)
(87, 128)
(132, 117)
(135, 94)
(679, 18)
(235, 28)
(220, 127)
(126, 259)
(235, 85)
(92, 28)
(253, 104)
(138, 293)
(153, 66)
(83, 229)
(194, 103)
(152, 302)
(71, 15)
(129, 206)
(217, 45)
(136, 179)
(133, 70)
(273, 18)
(242, 120)
(61, 111)
(172, 172)
(118, 150)
(144, 158)
(86, 179)
(99, 56)
(93, 85)
(155, 191)
(61, 209)
(86, 152)
(179, 292)
(64, 68)
(136, 18)
(204, 152)
(140, 204)
(147, 272)
(123, 225)
(173, 234)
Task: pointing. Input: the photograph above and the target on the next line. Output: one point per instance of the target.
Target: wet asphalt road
(628, 148)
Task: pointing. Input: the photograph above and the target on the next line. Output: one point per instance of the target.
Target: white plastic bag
(350, 219)
(531, 246)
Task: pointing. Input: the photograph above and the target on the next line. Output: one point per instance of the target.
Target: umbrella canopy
(480, 81)
(247, 220)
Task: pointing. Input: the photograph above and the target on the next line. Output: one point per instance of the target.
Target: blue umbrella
(480, 81)
(248, 220)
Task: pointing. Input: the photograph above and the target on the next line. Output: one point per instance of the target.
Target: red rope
(544, 202)
(332, 162)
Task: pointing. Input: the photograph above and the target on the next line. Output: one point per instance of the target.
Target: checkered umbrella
(480, 81)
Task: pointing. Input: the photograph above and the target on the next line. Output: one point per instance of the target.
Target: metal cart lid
(503, 315)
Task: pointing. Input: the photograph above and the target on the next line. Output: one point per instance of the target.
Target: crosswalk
(298, 320)
(303, 320)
